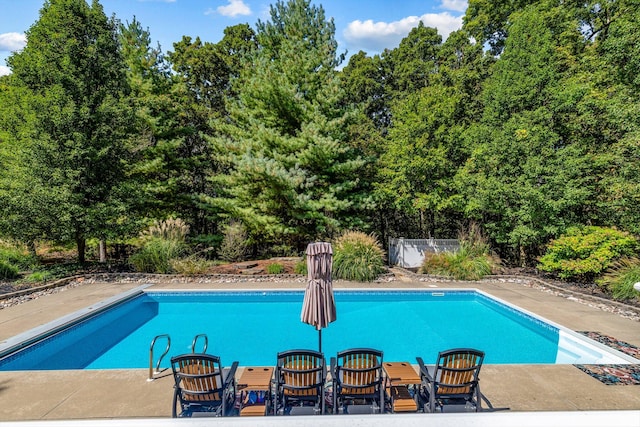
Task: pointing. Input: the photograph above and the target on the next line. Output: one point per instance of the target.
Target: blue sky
(370, 25)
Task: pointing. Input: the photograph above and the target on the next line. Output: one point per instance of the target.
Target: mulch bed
(613, 374)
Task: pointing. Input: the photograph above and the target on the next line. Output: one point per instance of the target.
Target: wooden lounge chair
(201, 386)
(452, 384)
(300, 376)
(358, 383)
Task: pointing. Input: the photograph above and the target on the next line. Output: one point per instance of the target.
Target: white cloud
(12, 41)
(457, 5)
(234, 8)
(158, 1)
(374, 37)
(4, 70)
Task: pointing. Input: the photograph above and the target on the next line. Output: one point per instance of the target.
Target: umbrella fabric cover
(319, 307)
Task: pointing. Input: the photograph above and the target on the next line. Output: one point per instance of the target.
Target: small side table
(400, 377)
(256, 379)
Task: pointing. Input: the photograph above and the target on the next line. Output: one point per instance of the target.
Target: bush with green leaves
(621, 277)
(162, 243)
(301, 267)
(16, 255)
(275, 268)
(584, 253)
(8, 271)
(357, 256)
(38, 276)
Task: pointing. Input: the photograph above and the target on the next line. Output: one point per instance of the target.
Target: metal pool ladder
(153, 374)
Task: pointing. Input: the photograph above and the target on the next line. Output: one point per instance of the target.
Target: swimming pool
(251, 327)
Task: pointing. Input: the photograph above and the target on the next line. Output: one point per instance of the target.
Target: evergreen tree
(291, 174)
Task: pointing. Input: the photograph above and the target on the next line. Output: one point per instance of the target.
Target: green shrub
(467, 263)
(301, 267)
(583, 253)
(156, 255)
(8, 271)
(234, 245)
(275, 268)
(190, 266)
(357, 256)
(38, 276)
(16, 255)
(621, 277)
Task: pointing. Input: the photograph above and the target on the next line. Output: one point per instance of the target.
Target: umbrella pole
(320, 340)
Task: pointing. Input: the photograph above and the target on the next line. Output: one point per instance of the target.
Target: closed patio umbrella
(319, 306)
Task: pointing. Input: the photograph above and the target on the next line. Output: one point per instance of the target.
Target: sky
(368, 25)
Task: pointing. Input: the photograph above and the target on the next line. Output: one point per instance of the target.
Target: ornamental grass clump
(621, 277)
(464, 264)
(162, 242)
(472, 261)
(357, 256)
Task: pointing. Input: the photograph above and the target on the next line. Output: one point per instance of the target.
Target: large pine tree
(291, 175)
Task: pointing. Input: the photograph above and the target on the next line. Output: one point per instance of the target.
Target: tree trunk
(103, 250)
(81, 244)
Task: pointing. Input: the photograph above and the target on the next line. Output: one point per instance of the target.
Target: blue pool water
(251, 327)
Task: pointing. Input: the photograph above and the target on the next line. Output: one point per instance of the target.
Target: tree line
(524, 121)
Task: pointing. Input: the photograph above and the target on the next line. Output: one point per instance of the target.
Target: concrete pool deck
(126, 394)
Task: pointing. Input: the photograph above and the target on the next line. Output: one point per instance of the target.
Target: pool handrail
(153, 373)
(195, 341)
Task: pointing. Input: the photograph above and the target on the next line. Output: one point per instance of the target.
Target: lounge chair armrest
(231, 375)
(424, 372)
(324, 372)
(332, 370)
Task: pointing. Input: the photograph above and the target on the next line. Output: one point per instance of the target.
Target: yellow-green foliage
(586, 252)
(357, 256)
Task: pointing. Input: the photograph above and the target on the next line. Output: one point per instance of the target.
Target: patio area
(552, 392)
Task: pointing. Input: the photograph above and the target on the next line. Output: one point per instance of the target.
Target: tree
(413, 63)
(203, 75)
(74, 74)
(424, 146)
(290, 174)
(527, 179)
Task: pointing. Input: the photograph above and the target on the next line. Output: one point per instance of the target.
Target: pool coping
(32, 336)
